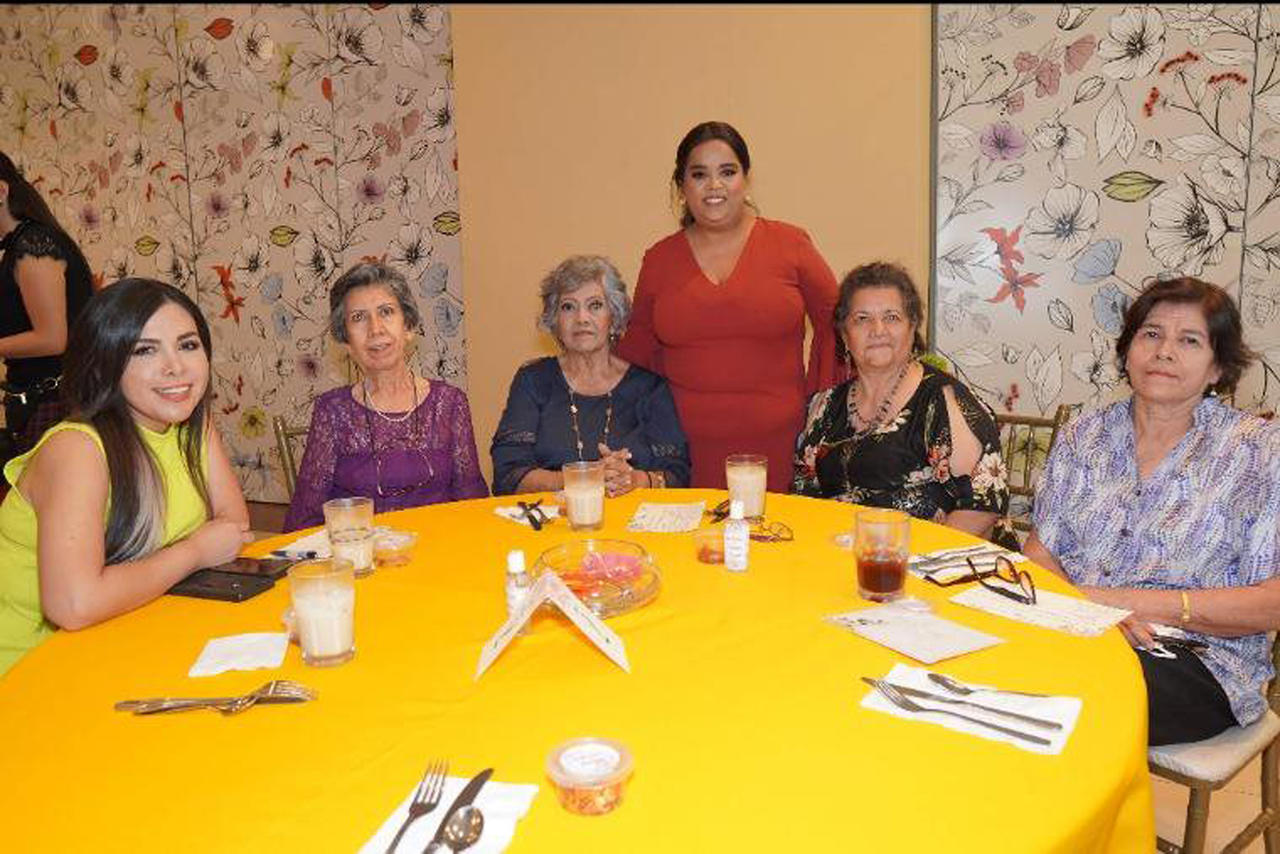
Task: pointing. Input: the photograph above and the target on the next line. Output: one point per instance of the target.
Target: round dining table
(742, 711)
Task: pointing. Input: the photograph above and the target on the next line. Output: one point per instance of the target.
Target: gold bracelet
(1186, 608)
(657, 480)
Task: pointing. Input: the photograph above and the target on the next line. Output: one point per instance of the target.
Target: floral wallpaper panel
(249, 154)
(1083, 150)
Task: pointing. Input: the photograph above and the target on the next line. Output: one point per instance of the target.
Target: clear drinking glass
(349, 522)
(584, 494)
(748, 477)
(324, 606)
(882, 544)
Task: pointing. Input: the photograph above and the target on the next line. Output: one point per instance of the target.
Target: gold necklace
(573, 415)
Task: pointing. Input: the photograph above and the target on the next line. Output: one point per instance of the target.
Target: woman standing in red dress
(720, 310)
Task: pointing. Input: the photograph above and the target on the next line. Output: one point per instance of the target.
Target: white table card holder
(549, 588)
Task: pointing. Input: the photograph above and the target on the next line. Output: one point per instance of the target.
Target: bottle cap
(515, 561)
(736, 509)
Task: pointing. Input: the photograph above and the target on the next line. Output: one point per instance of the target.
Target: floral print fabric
(1208, 516)
(905, 464)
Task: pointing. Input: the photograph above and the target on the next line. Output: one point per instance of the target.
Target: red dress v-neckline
(737, 262)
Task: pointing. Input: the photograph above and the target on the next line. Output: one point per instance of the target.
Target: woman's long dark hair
(99, 348)
(25, 202)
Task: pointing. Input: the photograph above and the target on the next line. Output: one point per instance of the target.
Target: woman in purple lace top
(400, 439)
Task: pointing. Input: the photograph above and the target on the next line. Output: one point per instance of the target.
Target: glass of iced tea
(882, 543)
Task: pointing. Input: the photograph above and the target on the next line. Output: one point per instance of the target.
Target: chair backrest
(284, 442)
(1025, 442)
(1273, 689)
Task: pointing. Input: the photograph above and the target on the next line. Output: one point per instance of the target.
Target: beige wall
(568, 119)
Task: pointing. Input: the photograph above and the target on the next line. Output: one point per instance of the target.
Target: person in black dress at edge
(900, 434)
(44, 284)
(587, 403)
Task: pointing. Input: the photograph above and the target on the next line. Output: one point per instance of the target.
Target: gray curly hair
(364, 275)
(575, 272)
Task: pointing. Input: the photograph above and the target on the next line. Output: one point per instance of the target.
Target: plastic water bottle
(518, 583)
(737, 536)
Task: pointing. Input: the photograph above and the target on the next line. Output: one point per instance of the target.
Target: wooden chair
(1208, 765)
(1025, 446)
(285, 435)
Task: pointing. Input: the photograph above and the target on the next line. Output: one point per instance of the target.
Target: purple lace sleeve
(467, 481)
(315, 475)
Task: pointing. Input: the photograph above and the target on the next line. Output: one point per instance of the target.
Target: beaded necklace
(368, 401)
(872, 426)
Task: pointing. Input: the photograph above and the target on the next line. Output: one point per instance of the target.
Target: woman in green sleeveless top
(134, 491)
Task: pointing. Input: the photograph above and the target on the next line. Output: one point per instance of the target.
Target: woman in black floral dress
(899, 434)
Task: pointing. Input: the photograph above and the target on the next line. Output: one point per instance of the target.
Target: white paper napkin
(667, 518)
(241, 652)
(923, 636)
(1055, 611)
(503, 804)
(515, 514)
(1063, 710)
(946, 564)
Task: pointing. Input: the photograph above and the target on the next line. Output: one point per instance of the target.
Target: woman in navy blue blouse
(587, 404)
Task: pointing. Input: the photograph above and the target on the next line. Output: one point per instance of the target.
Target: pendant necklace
(373, 439)
(573, 415)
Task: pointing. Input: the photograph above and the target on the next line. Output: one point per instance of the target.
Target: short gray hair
(366, 275)
(575, 272)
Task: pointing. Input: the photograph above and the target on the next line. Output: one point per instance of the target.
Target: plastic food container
(708, 545)
(590, 774)
(393, 548)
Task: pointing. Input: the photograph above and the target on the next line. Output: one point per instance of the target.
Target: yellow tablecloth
(741, 712)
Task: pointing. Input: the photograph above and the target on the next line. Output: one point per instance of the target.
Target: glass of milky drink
(584, 494)
(324, 607)
(349, 522)
(747, 476)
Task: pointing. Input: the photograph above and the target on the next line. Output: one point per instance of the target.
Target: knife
(465, 797)
(977, 552)
(925, 695)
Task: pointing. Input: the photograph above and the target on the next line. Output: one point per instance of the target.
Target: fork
(902, 701)
(276, 691)
(964, 690)
(425, 798)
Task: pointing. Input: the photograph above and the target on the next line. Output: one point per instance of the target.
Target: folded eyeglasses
(1022, 588)
(761, 531)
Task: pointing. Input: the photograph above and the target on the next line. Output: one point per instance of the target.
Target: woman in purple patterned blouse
(400, 439)
(1168, 505)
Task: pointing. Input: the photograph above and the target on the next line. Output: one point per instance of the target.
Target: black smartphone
(271, 567)
(223, 586)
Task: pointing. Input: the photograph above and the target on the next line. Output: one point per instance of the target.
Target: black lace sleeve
(38, 241)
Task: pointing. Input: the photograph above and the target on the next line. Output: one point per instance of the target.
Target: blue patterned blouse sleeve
(513, 443)
(1057, 480)
(664, 436)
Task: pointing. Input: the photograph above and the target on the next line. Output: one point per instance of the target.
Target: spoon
(461, 830)
(964, 690)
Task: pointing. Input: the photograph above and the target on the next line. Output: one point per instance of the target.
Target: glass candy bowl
(611, 576)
